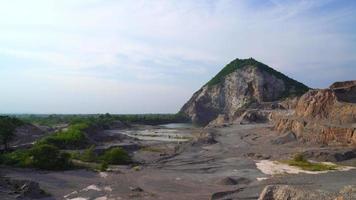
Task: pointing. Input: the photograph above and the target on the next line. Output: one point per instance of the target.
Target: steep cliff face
(240, 85)
(325, 116)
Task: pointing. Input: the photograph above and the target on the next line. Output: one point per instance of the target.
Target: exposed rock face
(323, 116)
(282, 192)
(240, 85)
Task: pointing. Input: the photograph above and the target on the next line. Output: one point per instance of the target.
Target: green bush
(49, 157)
(116, 156)
(88, 155)
(103, 166)
(19, 158)
(73, 138)
(41, 156)
(299, 158)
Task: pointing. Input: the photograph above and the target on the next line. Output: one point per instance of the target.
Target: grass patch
(152, 149)
(299, 161)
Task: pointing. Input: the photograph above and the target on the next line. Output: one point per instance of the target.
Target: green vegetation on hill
(47, 153)
(72, 138)
(240, 63)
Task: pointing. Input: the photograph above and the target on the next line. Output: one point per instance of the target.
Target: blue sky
(96, 56)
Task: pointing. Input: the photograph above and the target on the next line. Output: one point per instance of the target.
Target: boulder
(285, 138)
(234, 181)
(23, 189)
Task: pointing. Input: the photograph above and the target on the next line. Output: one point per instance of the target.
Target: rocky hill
(242, 84)
(325, 116)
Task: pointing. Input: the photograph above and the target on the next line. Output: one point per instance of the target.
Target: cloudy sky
(97, 56)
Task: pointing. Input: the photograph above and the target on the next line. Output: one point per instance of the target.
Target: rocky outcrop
(282, 192)
(325, 116)
(241, 85)
(20, 189)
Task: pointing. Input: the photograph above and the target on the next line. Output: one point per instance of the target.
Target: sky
(117, 56)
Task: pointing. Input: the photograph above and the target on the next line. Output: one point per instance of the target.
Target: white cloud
(172, 42)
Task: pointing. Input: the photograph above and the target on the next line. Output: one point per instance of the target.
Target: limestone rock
(326, 116)
(282, 192)
(241, 85)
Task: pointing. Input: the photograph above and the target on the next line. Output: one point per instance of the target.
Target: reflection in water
(178, 125)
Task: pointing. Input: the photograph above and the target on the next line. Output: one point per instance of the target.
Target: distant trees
(7, 130)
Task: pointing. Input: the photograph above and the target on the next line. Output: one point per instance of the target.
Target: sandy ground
(194, 172)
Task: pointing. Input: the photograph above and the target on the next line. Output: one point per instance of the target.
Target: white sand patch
(274, 167)
(66, 196)
(92, 187)
(102, 198)
(103, 174)
(261, 178)
(108, 188)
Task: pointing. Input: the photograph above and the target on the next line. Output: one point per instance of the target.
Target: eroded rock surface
(241, 85)
(326, 116)
(282, 192)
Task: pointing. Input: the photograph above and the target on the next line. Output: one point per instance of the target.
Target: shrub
(88, 155)
(49, 157)
(103, 166)
(299, 157)
(116, 156)
(41, 156)
(19, 158)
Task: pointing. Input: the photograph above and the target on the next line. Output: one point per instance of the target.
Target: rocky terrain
(241, 85)
(326, 116)
(220, 163)
(299, 193)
